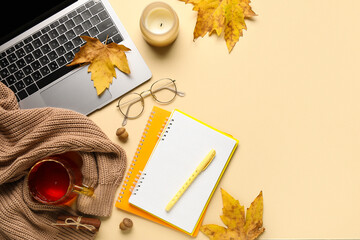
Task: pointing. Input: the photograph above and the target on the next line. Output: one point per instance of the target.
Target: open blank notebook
(184, 143)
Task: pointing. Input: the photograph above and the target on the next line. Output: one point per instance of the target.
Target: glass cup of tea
(57, 179)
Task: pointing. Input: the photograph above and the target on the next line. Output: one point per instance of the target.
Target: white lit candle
(159, 24)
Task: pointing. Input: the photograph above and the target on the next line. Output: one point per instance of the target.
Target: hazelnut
(126, 224)
(122, 134)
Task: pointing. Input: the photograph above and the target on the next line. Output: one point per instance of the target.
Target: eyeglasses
(163, 91)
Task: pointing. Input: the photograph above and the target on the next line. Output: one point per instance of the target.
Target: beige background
(289, 91)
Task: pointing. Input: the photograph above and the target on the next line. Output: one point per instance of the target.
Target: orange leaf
(239, 227)
(102, 59)
(221, 16)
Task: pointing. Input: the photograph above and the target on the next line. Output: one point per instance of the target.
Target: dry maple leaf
(102, 59)
(239, 227)
(221, 16)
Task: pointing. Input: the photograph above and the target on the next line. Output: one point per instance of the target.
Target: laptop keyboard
(40, 59)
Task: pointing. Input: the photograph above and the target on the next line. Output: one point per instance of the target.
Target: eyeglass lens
(164, 90)
(131, 105)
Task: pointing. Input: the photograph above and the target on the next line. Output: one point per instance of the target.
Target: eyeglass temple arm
(127, 112)
(181, 94)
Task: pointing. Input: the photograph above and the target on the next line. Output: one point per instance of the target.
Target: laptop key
(27, 70)
(86, 25)
(105, 25)
(11, 80)
(31, 89)
(28, 80)
(70, 24)
(35, 65)
(19, 85)
(86, 15)
(45, 49)
(36, 35)
(78, 19)
(93, 32)
(54, 44)
(19, 75)
(20, 53)
(36, 75)
(10, 50)
(63, 19)
(19, 45)
(103, 15)
(44, 71)
(68, 46)
(96, 9)
(36, 43)
(53, 34)
(89, 4)
(61, 29)
(95, 20)
(12, 68)
(108, 33)
(29, 58)
(4, 73)
(77, 41)
(78, 29)
(45, 38)
(80, 9)
(117, 38)
(61, 61)
(4, 62)
(54, 24)
(60, 50)
(53, 66)
(52, 55)
(12, 57)
(22, 94)
(45, 29)
(28, 39)
(44, 60)
(69, 56)
(70, 34)
(37, 53)
(62, 39)
(28, 48)
(21, 63)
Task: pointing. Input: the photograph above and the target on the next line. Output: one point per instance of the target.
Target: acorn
(126, 224)
(122, 134)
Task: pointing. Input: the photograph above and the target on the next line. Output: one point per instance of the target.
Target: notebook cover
(184, 142)
(154, 126)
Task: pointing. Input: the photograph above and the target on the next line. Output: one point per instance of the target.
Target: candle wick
(161, 24)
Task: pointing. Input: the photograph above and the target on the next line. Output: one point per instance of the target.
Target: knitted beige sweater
(30, 135)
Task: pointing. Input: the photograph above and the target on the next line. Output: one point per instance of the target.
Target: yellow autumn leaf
(239, 226)
(102, 59)
(221, 16)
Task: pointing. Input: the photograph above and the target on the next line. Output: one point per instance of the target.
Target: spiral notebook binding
(167, 129)
(133, 163)
(138, 183)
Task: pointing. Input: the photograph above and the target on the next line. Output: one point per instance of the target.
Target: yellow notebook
(182, 146)
(154, 126)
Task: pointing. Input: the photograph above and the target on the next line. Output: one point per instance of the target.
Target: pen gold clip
(202, 166)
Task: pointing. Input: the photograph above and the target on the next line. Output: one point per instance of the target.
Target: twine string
(77, 223)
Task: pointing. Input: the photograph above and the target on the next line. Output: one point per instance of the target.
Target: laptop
(43, 37)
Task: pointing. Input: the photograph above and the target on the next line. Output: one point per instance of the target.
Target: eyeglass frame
(150, 92)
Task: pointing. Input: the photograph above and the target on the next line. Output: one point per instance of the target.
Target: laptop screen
(17, 17)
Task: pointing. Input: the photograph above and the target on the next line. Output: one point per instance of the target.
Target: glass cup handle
(84, 190)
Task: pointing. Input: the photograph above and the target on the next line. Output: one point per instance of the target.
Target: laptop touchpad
(75, 92)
